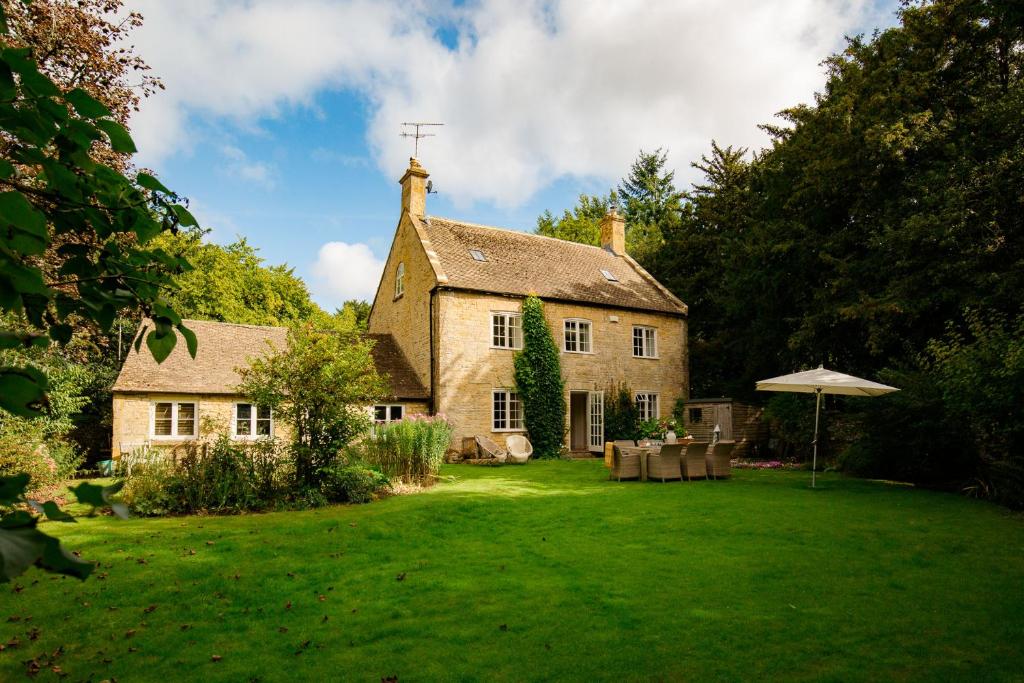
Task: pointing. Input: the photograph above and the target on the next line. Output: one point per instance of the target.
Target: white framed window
(506, 330)
(506, 411)
(386, 413)
(400, 280)
(646, 405)
(252, 421)
(645, 342)
(173, 420)
(578, 336)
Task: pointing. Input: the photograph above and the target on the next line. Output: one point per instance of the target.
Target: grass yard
(545, 572)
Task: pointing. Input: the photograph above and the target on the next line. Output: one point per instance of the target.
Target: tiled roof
(223, 347)
(520, 263)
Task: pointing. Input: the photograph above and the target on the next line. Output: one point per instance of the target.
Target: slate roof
(520, 263)
(226, 346)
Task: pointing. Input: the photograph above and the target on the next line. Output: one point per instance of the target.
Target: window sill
(397, 297)
(578, 353)
(184, 437)
(647, 357)
(508, 431)
(506, 348)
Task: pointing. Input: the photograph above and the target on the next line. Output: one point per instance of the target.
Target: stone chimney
(613, 232)
(414, 189)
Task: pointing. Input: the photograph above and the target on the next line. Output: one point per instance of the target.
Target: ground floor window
(253, 420)
(174, 419)
(647, 405)
(383, 414)
(506, 411)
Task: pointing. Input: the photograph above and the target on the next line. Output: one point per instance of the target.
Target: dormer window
(477, 255)
(609, 276)
(400, 280)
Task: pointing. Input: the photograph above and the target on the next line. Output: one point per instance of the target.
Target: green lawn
(545, 572)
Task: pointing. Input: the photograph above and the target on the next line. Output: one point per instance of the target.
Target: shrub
(621, 419)
(224, 476)
(538, 375)
(354, 483)
(29, 457)
(411, 450)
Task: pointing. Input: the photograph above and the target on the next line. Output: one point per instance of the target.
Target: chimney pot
(613, 232)
(414, 188)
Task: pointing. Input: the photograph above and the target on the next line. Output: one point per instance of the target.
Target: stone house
(446, 319)
(451, 293)
(184, 399)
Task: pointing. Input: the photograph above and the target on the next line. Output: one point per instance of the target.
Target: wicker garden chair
(719, 460)
(628, 443)
(488, 449)
(519, 449)
(665, 465)
(693, 463)
(625, 463)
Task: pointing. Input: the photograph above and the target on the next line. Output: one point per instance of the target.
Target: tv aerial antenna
(416, 135)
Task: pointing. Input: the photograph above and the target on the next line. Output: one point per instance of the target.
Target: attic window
(477, 255)
(608, 275)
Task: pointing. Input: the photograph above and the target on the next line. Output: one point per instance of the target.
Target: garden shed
(737, 421)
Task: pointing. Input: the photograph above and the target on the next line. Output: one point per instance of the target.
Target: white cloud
(534, 91)
(345, 271)
(240, 166)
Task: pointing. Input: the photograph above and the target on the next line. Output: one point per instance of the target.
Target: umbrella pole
(817, 414)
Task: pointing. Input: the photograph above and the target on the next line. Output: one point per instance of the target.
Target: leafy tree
(651, 203)
(320, 385)
(580, 224)
(538, 375)
(621, 417)
(232, 284)
(354, 314)
(73, 249)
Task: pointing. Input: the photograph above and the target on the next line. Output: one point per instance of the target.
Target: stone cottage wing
(223, 347)
(482, 258)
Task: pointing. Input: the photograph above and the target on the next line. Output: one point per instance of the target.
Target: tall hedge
(539, 382)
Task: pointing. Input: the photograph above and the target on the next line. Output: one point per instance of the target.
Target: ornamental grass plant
(410, 450)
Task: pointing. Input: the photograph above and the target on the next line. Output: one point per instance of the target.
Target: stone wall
(406, 318)
(132, 417)
(469, 369)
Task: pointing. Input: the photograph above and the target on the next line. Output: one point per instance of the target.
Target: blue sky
(280, 120)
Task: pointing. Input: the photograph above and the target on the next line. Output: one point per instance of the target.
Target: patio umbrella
(822, 381)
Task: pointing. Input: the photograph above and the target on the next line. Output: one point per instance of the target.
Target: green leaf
(120, 140)
(190, 340)
(89, 494)
(22, 391)
(140, 337)
(150, 183)
(58, 560)
(86, 105)
(12, 488)
(6, 169)
(52, 511)
(20, 548)
(30, 236)
(8, 89)
(184, 217)
(61, 333)
(161, 344)
(38, 84)
(14, 340)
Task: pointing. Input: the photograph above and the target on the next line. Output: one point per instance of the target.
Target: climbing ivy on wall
(538, 374)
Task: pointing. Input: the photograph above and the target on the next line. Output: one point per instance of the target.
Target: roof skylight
(477, 255)
(608, 275)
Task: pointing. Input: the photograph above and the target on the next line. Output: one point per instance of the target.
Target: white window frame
(400, 279)
(252, 422)
(174, 435)
(387, 413)
(576, 323)
(649, 341)
(507, 315)
(507, 394)
(647, 403)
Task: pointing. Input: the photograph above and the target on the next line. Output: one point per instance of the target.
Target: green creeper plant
(74, 248)
(538, 375)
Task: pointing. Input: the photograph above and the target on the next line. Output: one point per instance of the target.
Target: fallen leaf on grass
(129, 633)
(321, 597)
(282, 629)
(149, 609)
(215, 658)
(400, 577)
(503, 627)
(288, 605)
